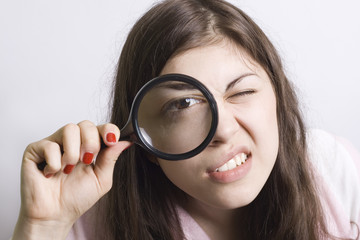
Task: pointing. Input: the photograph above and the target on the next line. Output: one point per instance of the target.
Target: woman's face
(247, 128)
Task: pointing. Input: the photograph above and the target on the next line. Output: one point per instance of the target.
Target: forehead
(214, 65)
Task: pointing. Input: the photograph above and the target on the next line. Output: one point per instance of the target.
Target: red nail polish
(110, 137)
(49, 175)
(68, 168)
(88, 158)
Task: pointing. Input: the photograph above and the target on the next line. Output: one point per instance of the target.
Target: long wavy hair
(142, 202)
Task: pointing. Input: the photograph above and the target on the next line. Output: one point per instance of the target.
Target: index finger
(109, 133)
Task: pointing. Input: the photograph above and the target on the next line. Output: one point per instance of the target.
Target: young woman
(286, 187)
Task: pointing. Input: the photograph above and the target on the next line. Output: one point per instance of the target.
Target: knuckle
(71, 128)
(29, 151)
(29, 147)
(86, 123)
(33, 148)
(51, 146)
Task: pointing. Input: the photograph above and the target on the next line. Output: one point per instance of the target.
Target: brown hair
(142, 202)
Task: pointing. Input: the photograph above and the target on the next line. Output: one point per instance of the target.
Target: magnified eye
(182, 104)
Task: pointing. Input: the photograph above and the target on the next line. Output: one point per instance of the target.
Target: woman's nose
(227, 125)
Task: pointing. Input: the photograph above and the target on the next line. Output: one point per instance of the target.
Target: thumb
(105, 163)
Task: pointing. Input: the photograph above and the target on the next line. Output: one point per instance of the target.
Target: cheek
(178, 172)
(259, 116)
(267, 123)
(259, 120)
(267, 131)
(268, 115)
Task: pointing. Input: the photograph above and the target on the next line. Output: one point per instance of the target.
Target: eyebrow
(235, 81)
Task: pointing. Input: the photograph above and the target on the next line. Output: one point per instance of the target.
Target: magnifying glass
(173, 116)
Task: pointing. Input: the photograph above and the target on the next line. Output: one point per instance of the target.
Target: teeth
(238, 159)
(233, 163)
(222, 168)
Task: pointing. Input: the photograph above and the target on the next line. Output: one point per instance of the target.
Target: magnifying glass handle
(127, 132)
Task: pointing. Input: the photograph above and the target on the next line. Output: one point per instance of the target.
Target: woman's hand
(71, 182)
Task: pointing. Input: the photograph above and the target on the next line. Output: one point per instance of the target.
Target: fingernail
(110, 137)
(88, 158)
(68, 168)
(49, 175)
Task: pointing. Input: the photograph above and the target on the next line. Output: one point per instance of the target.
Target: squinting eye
(243, 93)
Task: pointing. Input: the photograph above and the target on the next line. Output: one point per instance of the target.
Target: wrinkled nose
(227, 125)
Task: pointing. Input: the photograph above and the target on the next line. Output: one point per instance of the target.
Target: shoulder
(337, 174)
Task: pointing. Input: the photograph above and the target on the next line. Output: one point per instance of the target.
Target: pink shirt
(337, 169)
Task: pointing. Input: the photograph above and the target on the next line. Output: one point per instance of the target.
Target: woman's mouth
(234, 169)
(233, 163)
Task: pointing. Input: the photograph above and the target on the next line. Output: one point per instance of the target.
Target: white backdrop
(57, 59)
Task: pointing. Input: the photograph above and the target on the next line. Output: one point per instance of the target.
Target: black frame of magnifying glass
(131, 128)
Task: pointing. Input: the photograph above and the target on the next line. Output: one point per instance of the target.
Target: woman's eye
(243, 93)
(182, 103)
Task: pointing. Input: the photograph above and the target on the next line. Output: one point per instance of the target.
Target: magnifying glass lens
(174, 117)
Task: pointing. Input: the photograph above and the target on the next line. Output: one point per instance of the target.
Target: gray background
(57, 59)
